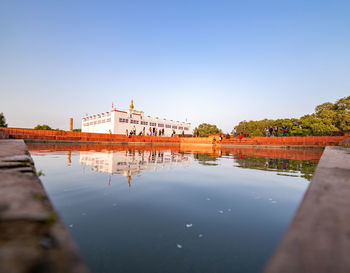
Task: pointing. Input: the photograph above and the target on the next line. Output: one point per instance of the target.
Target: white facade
(120, 122)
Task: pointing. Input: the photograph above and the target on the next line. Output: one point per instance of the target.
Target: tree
(42, 127)
(328, 119)
(2, 120)
(205, 129)
(342, 117)
(76, 130)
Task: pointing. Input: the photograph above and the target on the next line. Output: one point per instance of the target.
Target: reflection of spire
(109, 180)
(132, 105)
(129, 179)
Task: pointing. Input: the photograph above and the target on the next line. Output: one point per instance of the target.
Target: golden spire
(132, 105)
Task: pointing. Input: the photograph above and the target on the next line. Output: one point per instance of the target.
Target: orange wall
(20, 133)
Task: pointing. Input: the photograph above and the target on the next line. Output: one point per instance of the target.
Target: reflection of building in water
(129, 163)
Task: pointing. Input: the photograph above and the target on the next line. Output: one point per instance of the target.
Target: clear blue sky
(208, 61)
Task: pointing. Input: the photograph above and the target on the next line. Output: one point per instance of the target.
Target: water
(166, 209)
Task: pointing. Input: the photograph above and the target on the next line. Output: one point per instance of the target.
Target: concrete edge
(32, 236)
(318, 238)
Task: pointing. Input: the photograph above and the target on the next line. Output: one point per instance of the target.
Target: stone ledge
(318, 239)
(32, 237)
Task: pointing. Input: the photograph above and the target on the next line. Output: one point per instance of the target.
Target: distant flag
(112, 105)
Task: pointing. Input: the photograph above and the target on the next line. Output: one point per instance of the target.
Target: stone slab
(318, 239)
(32, 237)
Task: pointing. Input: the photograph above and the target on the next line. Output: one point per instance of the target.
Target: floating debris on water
(189, 225)
(208, 199)
(270, 199)
(200, 235)
(274, 202)
(71, 225)
(220, 211)
(179, 246)
(228, 209)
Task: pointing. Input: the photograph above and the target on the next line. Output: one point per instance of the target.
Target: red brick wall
(20, 133)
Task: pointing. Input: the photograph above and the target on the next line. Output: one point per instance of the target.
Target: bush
(42, 127)
(257, 132)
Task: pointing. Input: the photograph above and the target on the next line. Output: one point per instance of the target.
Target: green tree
(205, 129)
(342, 117)
(328, 119)
(257, 132)
(2, 120)
(313, 125)
(76, 130)
(42, 127)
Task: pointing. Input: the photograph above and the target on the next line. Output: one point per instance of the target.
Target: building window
(186, 128)
(167, 126)
(160, 125)
(109, 120)
(124, 120)
(181, 128)
(132, 121)
(174, 127)
(144, 123)
(152, 124)
(91, 123)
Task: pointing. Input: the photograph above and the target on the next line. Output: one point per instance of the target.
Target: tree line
(328, 119)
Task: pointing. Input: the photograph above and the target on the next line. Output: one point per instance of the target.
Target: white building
(126, 121)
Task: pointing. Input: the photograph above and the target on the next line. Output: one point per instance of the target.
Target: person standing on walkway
(267, 131)
(241, 136)
(271, 131)
(276, 130)
(284, 129)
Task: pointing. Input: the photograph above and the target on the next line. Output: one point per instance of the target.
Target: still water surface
(166, 209)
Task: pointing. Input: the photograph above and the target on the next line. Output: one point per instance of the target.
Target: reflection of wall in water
(128, 163)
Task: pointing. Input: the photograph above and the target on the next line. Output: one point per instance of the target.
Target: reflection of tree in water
(206, 159)
(287, 167)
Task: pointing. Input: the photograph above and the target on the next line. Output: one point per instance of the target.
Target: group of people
(150, 132)
(274, 131)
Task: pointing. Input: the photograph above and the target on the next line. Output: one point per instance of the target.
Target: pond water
(174, 209)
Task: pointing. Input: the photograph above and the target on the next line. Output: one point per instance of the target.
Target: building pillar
(71, 124)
